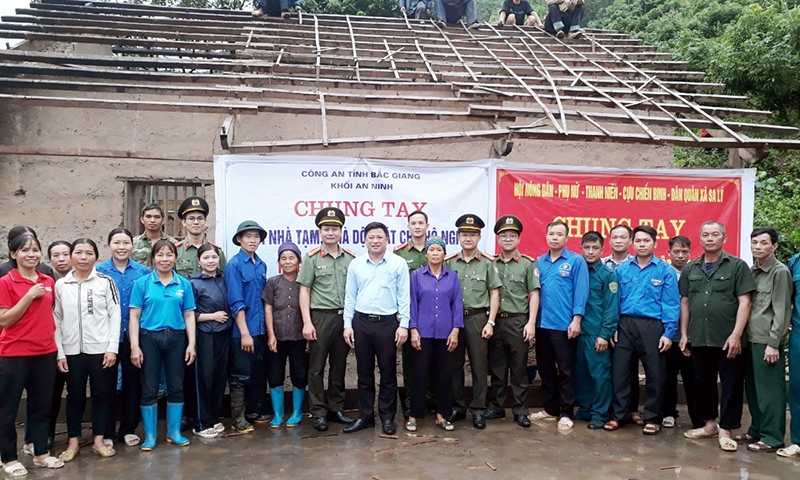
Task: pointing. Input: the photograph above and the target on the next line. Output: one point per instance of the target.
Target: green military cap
(470, 222)
(192, 204)
(249, 225)
(507, 222)
(330, 216)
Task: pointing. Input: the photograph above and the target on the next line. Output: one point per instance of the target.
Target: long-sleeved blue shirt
(124, 282)
(245, 279)
(565, 289)
(377, 289)
(651, 292)
(436, 305)
(210, 296)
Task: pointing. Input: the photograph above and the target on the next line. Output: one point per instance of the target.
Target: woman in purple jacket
(437, 313)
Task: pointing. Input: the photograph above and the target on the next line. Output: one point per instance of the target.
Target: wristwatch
(490, 322)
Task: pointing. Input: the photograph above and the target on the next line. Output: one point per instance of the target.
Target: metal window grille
(167, 193)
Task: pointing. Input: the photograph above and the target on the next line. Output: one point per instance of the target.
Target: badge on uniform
(656, 282)
(564, 269)
(613, 287)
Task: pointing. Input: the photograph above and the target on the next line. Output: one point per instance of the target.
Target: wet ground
(541, 452)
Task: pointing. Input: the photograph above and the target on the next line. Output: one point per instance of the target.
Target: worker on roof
(513, 12)
(564, 18)
(415, 9)
(276, 8)
(449, 12)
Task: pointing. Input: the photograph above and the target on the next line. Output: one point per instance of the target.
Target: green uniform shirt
(771, 308)
(713, 298)
(413, 257)
(602, 307)
(142, 248)
(187, 262)
(477, 278)
(326, 277)
(520, 277)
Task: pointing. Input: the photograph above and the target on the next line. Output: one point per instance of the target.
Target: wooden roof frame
(525, 83)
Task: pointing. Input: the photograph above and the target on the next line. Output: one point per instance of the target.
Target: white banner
(284, 193)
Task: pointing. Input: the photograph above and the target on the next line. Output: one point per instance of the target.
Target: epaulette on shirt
(314, 252)
(349, 252)
(400, 247)
(178, 244)
(491, 258)
(452, 255)
(528, 257)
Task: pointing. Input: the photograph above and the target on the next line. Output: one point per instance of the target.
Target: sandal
(27, 451)
(15, 470)
(611, 425)
(790, 451)
(651, 429)
(132, 440)
(411, 425)
(696, 433)
(446, 426)
(105, 451)
(68, 455)
(761, 447)
(728, 444)
(745, 438)
(637, 419)
(50, 462)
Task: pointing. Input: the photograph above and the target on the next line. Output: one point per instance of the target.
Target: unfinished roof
(505, 83)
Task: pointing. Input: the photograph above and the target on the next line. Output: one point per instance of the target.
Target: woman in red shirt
(27, 354)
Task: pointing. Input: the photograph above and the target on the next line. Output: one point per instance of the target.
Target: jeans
(36, 375)
(451, 11)
(569, 21)
(167, 348)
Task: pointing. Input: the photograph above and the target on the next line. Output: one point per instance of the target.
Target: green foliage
(777, 197)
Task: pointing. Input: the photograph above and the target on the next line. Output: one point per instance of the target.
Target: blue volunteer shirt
(162, 305)
(565, 289)
(651, 292)
(377, 289)
(124, 282)
(246, 279)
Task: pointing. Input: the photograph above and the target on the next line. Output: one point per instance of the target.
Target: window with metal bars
(168, 193)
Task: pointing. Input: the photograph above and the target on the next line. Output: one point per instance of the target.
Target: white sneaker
(790, 451)
(207, 433)
(541, 416)
(219, 428)
(565, 423)
(668, 422)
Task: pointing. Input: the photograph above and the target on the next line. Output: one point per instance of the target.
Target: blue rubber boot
(174, 414)
(276, 394)
(297, 407)
(150, 425)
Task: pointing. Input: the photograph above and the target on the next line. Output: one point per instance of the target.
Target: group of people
(177, 317)
(563, 17)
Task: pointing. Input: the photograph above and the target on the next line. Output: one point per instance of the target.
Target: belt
(376, 318)
(337, 311)
(640, 317)
(475, 311)
(508, 314)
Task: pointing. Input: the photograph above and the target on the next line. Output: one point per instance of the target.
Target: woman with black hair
(9, 265)
(27, 353)
(87, 336)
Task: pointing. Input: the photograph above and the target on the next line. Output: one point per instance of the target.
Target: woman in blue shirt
(124, 272)
(213, 341)
(162, 332)
(437, 312)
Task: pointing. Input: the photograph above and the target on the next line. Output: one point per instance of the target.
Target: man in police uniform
(516, 322)
(153, 220)
(414, 253)
(322, 288)
(480, 284)
(193, 213)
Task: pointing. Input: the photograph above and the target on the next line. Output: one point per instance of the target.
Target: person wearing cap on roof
(285, 336)
(414, 253)
(193, 213)
(480, 287)
(376, 315)
(322, 284)
(153, 220)
(516, 323)
(565, 289)
(245, 277)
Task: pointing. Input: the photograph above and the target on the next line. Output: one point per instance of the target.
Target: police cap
(330, 216)
(193, 204)
(469, 222)
(507, 222)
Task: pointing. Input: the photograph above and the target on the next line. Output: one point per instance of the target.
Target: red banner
(672, 204)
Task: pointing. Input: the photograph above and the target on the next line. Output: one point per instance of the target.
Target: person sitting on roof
(415, 9)
(449, 12)
(513, 13)
(564, 16)
(276, 8)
